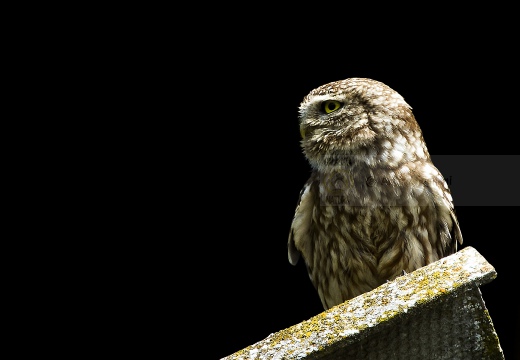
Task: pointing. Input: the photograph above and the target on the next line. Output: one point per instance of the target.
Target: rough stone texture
(436, 312)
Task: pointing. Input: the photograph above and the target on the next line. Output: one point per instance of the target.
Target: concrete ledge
(435, 312)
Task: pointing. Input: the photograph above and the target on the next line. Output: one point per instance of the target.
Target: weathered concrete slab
(436, 312)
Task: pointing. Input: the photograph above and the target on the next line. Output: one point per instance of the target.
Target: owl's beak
(302, 132)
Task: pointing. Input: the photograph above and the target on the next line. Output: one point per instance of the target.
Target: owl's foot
(402, 274)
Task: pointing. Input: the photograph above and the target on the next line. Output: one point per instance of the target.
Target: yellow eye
(330, 106)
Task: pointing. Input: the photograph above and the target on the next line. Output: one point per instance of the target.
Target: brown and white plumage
(374, 205)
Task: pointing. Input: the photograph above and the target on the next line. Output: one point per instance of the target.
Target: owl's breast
(348, 243)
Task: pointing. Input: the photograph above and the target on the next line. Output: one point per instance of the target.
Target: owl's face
(357, 119)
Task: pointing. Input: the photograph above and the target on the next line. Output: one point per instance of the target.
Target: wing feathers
(299, 236)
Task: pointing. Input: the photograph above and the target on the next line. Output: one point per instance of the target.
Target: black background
(223, 165)
(463, 107)
(188, 178)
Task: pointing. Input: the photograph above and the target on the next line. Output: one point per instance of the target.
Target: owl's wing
(299, 236)
(455, 233)
(446, 203)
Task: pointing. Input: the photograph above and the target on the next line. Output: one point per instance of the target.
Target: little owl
(375, 206)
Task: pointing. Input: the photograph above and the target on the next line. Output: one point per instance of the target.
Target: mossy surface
(376, 310)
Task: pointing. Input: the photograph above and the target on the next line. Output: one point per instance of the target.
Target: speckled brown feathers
(375, 205)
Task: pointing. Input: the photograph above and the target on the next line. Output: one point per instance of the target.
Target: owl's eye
(330, 106)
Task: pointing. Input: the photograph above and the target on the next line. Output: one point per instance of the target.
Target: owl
(375, 206)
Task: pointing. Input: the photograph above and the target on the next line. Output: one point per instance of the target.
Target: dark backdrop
(223, 165)
(199, 164)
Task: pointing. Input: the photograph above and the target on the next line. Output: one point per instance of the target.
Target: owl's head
(361, 120)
